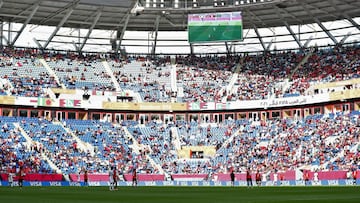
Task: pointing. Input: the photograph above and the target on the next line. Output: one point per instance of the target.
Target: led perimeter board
(215, 27)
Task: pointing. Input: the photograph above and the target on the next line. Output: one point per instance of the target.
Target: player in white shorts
(111, 179)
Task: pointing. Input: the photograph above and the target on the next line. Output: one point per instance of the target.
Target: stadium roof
(111, 14)
(169, 15)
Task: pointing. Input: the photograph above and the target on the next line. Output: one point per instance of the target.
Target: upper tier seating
(198, 79)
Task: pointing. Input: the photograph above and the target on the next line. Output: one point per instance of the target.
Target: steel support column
(38, 43)
(306, 44)
(97, 17)
(352, 21)
(156, 35)
(121, 35)
(191, 49)
(25, 24)
(293, 34)
(67, 15)
(326, 31)
(259, 37)
(1, 33)
(345, 38)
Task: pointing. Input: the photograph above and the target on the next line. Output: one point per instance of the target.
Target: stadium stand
(276, 146)
(122, 84)
(326, 142)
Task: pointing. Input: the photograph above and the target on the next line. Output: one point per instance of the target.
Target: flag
(123, 94)
(203, 105)
(193, 105)
(221, 106)
(77, 102)
(44, 102)
(64, 103)
(69, 103)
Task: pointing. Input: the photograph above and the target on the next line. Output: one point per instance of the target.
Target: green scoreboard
(215, 27)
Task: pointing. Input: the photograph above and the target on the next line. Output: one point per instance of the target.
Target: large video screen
(213, 27)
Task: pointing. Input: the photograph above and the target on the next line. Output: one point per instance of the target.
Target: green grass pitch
(180, 194)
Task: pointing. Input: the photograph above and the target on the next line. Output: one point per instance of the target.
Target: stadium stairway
(136, 148)
(180, 92)
(229, 87)
(4, 82)
(175, 138)
(24, 134)
(43, 155)
(52, 73)
(303, 61)
(239, 66)
(109, 72)
(340, 155)
(230, 139)
(137, 97)
(173, 80)
(81, 144)
(285, 85)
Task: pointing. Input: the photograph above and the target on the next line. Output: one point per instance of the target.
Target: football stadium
(179, 101)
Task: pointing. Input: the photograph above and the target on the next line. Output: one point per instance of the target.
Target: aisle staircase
(175, 138)
(109, 72)
(84, 146)
(230, 86)
(52, 73)
(302, 62)
(136, 147)
(30, 141)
